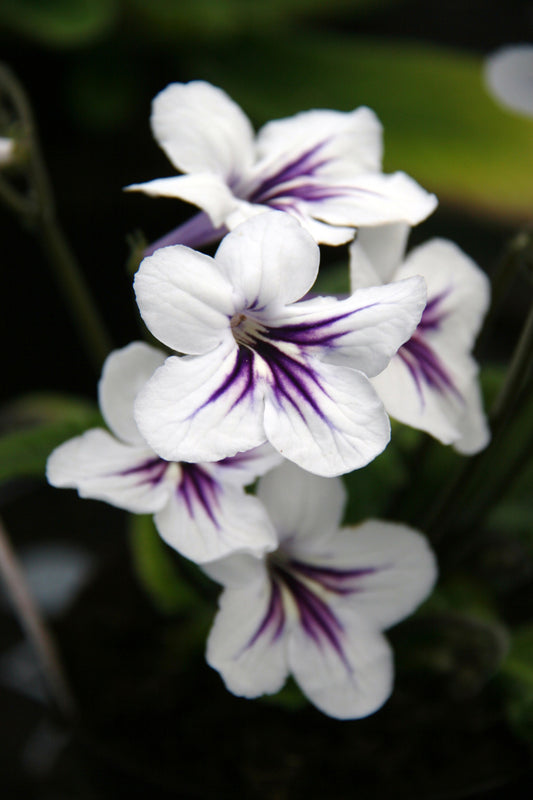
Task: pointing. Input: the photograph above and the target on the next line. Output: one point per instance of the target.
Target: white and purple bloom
(316, 606)
(432, 382)
(200, 509)
(260, 366)
(321, 166)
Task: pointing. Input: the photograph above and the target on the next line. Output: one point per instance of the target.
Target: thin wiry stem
(36, 206)
(35, 628)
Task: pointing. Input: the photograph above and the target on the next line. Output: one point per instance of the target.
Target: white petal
(203, 408)
(376, 254)
(327, 419)
(243, 468)
(237, 570)
(321, 233)
(250, 662)
(302, 506)
(375, 199)
(363, 331)
(509, 76)
(125, 372)
(346, 685)
(384, 570)
(351, 139)
(270, 259)
(209, 192)
(464, 286)
(184, 300)
(201, 129)
(205, 520)
(7, 149)
(474, 432)
(101, 468)
(427, 393)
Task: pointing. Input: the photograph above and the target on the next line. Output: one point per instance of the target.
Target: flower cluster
(265, 380)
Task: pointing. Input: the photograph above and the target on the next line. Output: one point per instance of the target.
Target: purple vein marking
(433, 315)
(150, 471)
(198, 488)
(425, 367)
(305, 333)
(274, 619)
(336, 580)
(303, 166)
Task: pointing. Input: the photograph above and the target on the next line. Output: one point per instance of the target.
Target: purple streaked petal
(203, 408)
(273, 623)
(100, 467)
(434, 315)
(197, 488)
(335, 579)
(195, 233)
(303, 165)
(249, 669)
(426, 368)
(362, 332)
(325, 418)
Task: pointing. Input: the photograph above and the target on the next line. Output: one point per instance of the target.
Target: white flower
(431, 383)
(509, 77)
(200, 509)
(315, 607)
(322, 166)
(7, 150)
(259, 366)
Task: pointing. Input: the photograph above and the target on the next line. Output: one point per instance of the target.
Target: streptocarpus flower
(316, 606)
(200, 509)
(260, 366)
(431, 383)
(322, 166)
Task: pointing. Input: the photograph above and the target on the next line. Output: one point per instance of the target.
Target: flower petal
(376, 254)
(270, 259)
(184, 300)
(509, 77)
(363, 331)
(348, 675)
(474, 432)
(203, 408)
(246, 643)
(101, 468)
(209, 192)
(302, 506)
(201, 129)
(327, 419)
(125, 372)
(341, 139)
(243, 468)
(381, 570)
(205, 520)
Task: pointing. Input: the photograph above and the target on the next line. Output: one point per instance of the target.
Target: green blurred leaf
(43, 423)
(333, 279)
(156, 568)
(59, 22)
(517, 679)
(441, 126)
(207, 19)
(370, 489)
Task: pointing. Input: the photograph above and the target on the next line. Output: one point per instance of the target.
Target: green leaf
(59, 22)
(440, 124)
(370, 488)
(42, 423)
(157, 570)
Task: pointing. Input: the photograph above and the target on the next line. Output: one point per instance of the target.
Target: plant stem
(37, 207)
(35, 627)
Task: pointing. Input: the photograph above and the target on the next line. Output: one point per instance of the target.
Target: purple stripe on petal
(316, 618)
(336, 580)
(317, 333)
(306, 164)
(199, 489)
(425, 367)
(433, 314)
(274, 620)
(241, 377)
(150, 471)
